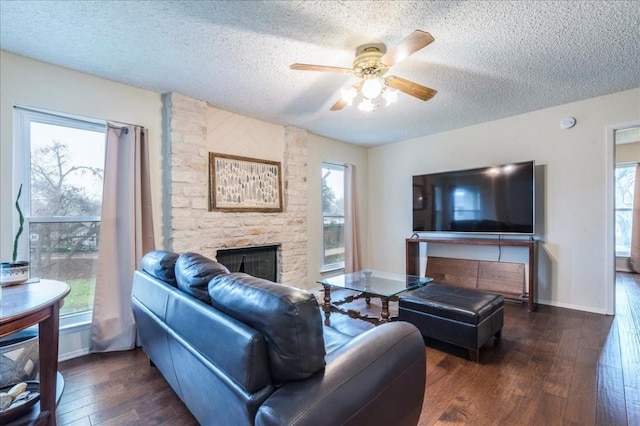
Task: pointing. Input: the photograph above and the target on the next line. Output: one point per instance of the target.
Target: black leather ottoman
(456, 315)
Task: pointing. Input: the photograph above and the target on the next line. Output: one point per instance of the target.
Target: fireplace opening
(259, 261)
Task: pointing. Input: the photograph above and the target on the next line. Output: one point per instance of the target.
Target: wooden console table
(413, 257)
(25, 305)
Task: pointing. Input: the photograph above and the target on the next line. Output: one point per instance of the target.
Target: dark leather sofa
(240, 350)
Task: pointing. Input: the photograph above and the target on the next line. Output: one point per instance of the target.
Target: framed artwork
(238, 184)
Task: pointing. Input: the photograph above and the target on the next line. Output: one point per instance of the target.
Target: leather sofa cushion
(161, 264)
(288, 317)
(193, 273)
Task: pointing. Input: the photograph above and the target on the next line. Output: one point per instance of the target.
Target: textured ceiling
(490, 59)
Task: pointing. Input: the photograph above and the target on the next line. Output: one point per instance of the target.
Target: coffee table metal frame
(370, 283)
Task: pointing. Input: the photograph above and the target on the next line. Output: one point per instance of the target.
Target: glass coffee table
(369, 283)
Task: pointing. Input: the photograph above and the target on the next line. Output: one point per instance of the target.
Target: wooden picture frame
(243, 184)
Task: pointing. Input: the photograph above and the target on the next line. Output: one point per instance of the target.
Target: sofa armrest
(376, 378)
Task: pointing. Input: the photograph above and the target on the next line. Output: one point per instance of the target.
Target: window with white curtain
(62, 172)
(333, 189)
(624, 184)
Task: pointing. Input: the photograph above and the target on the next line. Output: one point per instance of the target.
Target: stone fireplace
(194, 128)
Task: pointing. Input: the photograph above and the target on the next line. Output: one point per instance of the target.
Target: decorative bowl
(14, 412)
(14, 272)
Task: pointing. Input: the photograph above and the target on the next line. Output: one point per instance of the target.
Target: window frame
(336, 266)
(625, 254)
(22, 118)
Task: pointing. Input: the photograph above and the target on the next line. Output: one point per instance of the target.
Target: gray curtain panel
(351, 241)
(126, 233)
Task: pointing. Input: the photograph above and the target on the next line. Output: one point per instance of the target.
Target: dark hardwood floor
(554, 366)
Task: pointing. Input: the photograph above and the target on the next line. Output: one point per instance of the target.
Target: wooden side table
(413, 258)
(28, 304)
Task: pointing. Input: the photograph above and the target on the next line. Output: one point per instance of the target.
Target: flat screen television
(497, 199)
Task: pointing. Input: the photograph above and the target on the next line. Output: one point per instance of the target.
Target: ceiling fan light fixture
(349, 94)
(366, 105)
(371, 63)
(390, 95)
(371, 88)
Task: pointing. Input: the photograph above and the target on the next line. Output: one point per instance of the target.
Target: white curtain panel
(126, 233)
(351, 242)
(634, 258)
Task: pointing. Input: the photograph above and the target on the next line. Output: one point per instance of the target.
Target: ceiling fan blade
(407, 47)
(322, 68)
(410, 88)
(339, 105)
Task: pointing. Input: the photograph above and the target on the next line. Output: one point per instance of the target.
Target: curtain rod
(123, 128)
(88, 120)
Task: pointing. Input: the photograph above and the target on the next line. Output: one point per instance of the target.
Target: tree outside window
(65, 161)
(332, 216)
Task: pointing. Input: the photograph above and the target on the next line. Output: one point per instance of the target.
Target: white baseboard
(74, 341)
(601, 311)
(70, 355)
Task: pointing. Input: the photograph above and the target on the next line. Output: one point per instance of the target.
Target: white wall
(572, 271)
(321, 149)
(628, 153)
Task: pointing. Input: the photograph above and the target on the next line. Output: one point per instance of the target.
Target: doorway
(624, 143)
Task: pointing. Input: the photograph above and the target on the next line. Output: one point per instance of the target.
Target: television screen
(496, 199)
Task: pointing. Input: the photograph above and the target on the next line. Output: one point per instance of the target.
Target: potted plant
(15, 272)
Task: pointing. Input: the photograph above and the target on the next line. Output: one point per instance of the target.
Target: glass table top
(376, 283)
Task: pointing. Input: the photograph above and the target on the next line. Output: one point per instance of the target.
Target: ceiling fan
(370, 65)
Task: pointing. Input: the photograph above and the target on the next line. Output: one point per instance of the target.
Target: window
(62, 178)
(332, 216)
(466, 203)
(625, 182)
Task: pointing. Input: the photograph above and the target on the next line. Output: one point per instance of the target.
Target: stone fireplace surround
(192, 129)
